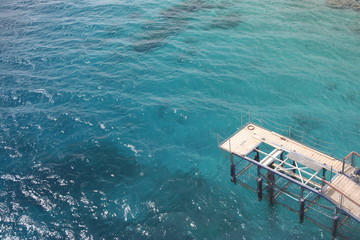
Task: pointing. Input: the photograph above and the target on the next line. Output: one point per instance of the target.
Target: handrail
(341, 192)
(352, 153)
(327, 147)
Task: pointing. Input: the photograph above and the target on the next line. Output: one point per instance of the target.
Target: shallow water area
(110, 112)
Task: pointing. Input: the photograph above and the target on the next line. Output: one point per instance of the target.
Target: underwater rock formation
(157, 32)
(354, 4)
(227, 21)
(171, 21)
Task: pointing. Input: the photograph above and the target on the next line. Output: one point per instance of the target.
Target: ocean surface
(110, 112)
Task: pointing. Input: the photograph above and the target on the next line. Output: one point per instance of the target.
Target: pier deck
(342, 185)
(340, 188)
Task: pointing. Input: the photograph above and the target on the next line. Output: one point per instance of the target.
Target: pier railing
(320, 191)
(325, 147)
(352, 159)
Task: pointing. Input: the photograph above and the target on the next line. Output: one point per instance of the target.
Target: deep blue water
(110, 112)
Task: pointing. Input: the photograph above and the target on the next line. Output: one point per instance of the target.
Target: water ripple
(110, 111)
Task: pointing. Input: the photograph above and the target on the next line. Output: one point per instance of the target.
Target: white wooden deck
(344, 185)
(251, 136)
(245, 140)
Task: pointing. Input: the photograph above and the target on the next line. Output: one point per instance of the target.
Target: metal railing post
(289, 133)
(352, 159)
(331, 171)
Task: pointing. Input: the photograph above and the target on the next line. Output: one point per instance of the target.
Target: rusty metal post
(302, 210)
(334, 227)
(270, 181)
(259, 188)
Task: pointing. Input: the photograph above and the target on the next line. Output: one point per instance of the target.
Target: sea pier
(317, 186)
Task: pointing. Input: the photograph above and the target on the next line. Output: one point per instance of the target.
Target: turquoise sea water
(110, 111)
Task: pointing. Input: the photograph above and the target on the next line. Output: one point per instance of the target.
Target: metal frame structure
(296, 183)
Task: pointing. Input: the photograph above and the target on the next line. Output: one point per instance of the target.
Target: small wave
(127, 210)
(44, 93)
(43, 201)
(33, 227)
(133, 149)
(102, 126)
(77, 119)
(14, 153)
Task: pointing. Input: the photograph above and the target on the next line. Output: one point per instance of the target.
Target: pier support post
(232, 173)
(302, 210)
(257, 156)
(294, 164)
(323, 176)
(259, 188)
(232, 169)
(334, 226)
(270, 181)
(294, 170)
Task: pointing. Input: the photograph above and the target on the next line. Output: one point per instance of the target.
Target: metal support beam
(302, 210)
(334, 226)
(270, 178)
(300, 184)
(323, 176)
(294, 170)
(331, 172)
(259, 188)
(232, 173)
(232, 169)
(257, 156)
